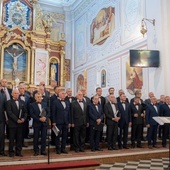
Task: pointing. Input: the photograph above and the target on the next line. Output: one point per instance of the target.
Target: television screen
(144, 58)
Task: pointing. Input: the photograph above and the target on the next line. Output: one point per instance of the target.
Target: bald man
(17, 115)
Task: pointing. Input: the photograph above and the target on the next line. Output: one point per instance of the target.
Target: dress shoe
(150, 146)
(120, 147)
(19, 154)
(93, 150)
(44, 153)
(3, 154)
(110, 148)
(164, 146)
(64, 151)
(139, 146)
(155, 146)
(125, 147)
(76, 150)
(99, 149)
(28, 137)
(58, 152)
(82, 150)
(11, 155)
(114, 148)
(36, 153)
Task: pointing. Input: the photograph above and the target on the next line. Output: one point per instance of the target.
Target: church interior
(87, 44)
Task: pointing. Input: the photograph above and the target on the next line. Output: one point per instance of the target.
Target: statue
(53, 72)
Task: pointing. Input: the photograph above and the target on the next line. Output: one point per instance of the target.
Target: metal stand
(48, 148)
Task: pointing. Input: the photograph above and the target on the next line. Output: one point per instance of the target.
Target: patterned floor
(153, 164)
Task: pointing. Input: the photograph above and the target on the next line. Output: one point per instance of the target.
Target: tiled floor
(153, 164)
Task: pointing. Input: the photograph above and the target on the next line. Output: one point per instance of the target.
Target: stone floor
(152, 164)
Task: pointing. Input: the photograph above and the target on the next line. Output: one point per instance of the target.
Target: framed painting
(41, 66)
(15, 63)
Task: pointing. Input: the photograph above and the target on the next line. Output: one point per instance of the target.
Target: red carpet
(63, 165)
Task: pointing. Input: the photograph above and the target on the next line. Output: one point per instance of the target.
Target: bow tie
(15, 100)
(136, 104)
(112, 103)
(123, 102)
(38, 103)
(80, 101)
(62, 100)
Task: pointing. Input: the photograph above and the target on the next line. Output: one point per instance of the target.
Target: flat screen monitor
(144, 58)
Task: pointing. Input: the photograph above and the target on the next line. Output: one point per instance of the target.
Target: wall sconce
(144, 26)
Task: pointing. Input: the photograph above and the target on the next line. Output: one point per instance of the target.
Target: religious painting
(134, 78)
(41, 66)
(103, 78)
(67, 69)
(80, 82)
(15, 63)
(102, 26)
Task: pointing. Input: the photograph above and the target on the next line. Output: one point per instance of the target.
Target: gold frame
(28, 59)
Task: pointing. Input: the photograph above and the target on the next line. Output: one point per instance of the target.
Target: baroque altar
(28, 54)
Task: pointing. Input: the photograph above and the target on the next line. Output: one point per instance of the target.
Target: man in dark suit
(87, 101)
(112, 117)
(70, 98)
(23, 95)
(2, 123)
(52, 99)
(39, 111)
(148, 101)
(8, 93)
(17, 114)
(79, 120)
(137, 121)
(165, 111)
(61, 119)
(125, 121)
(118, 98)
(95, 119)
(152, 110)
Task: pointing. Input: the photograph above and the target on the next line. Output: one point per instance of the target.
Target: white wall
(113, 54)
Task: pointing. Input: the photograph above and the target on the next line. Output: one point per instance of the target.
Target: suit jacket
(150, 113)
(164, 110)
(139, 111)
(35, 114)
(27, 102)
(13, 112)
(52, 99)
(2, 107)
(110, 114)
(118, 99)
(95, 114)
(147, 101)
(125, 115)
(60, 115)
(68, 99)
(9, 91)
(78, 116)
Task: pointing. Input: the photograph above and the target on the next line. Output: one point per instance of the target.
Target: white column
(1, 3)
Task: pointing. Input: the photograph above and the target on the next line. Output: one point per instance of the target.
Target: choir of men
(82, 117)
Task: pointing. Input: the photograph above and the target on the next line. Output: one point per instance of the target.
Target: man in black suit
(17, 114)
(152, 110)
(102, 103)
(23, 95)
(39, 111)
(8, 93)
(95, 119)
(87, 101)
(137, 121)
(70, 98)
(121, 92)
(148, 101)
(79, 120)
(112, 118)
(2, 123)
(125, 121)
(165, 111)
(61, 119)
